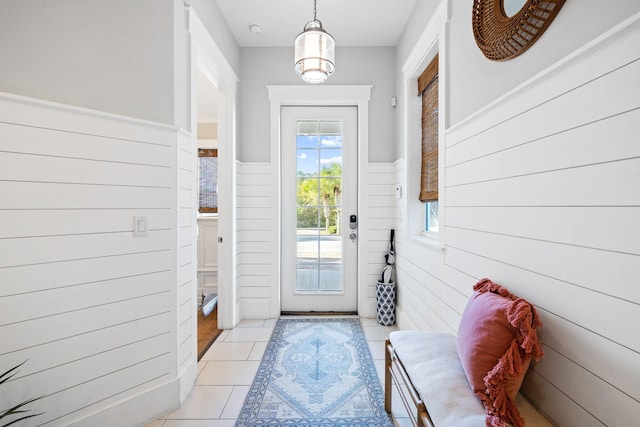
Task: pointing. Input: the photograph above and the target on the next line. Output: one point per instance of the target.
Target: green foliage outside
(319, 199)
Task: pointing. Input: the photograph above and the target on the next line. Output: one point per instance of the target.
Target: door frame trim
(207, 56)
(346, 299)
(319, 96)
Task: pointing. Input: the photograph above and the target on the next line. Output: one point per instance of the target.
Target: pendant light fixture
(315, 52)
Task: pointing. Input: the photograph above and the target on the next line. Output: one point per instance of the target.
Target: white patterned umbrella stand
(386, 303)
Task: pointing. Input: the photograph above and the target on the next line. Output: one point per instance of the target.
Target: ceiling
(351, 22)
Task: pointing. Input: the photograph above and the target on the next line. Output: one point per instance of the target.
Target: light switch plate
(140, 226)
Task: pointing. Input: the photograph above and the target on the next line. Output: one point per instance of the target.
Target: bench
(425, 369)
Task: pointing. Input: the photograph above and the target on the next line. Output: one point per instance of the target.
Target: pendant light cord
(314, 10)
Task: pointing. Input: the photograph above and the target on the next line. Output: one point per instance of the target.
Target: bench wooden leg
(410, 398)
(423, 416)
(387, 377)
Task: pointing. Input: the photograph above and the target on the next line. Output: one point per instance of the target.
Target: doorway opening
(207, 100)
(318, 96)
(207, 59)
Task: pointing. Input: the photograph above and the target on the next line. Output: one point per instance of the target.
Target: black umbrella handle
(391, 237)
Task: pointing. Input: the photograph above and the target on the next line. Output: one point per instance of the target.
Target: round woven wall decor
(501, 37)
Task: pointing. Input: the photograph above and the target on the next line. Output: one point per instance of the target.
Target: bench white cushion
(431, 362)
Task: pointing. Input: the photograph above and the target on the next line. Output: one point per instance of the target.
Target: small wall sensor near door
(399, 192)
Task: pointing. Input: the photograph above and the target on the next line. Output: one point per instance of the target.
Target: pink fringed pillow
(496, 340)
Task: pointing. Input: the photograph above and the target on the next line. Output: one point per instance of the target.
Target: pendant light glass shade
(315, 53)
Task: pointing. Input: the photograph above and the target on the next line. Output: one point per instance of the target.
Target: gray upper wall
(474, 81)
(260, 67)
(212, 18)
(420, 16)
(91, 54)
(115, 56)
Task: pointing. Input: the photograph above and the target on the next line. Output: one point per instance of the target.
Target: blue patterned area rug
(316, 373)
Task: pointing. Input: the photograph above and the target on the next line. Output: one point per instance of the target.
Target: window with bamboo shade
(428, 90)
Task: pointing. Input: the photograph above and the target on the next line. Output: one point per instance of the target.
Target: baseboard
(138, 410)
(187, 380)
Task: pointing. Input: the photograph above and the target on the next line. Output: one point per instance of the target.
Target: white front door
(319, 209)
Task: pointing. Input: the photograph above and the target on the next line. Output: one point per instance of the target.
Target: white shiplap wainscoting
(187, 273)
(91, 308)
(543, 196)
(382, 215)
(256, 256)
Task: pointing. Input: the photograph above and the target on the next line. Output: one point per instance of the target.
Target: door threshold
(319, 313)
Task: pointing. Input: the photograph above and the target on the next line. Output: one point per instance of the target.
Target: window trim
(430, 43)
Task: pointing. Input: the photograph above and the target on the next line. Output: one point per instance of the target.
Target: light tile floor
(226, 372)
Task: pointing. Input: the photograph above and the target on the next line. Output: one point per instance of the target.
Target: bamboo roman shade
(208, 178)
(428, 90)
